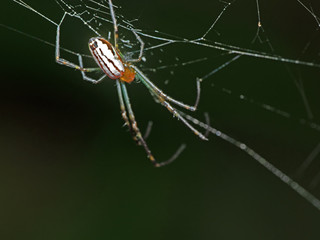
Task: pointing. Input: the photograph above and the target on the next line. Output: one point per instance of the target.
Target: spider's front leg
(141, 48)
(67, 63)
(83, 73)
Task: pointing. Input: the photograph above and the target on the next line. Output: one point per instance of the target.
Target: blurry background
(69, 170)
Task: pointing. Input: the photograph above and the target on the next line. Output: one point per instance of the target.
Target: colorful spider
(115, 66)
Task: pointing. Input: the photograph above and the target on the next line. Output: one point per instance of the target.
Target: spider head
(93, 44)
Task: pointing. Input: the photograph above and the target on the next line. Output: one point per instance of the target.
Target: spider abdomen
(106, 57)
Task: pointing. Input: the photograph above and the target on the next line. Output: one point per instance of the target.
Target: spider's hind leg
(124, 112)
(134, 125)
(138, 134)
(164, 100)
(159, 94)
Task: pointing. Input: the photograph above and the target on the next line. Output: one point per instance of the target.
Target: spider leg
(177, 114)
(135, 130)
(174, 156)
(139, 136)
(116, 35)
(134, 125)
(163, 99)
(161, 95)
(148, 130)
(115, 26)
(85, 77)
(207, 118)
(124, 112)
(141, 48)
(63, 61)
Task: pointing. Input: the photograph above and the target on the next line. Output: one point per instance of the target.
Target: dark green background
(69, 170)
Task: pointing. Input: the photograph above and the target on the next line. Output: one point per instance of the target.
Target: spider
(114, 65)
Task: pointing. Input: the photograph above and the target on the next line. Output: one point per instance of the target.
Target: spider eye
(95, 44)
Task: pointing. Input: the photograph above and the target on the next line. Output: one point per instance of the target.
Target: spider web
(233, 61)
